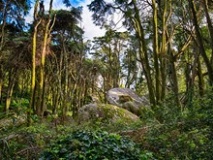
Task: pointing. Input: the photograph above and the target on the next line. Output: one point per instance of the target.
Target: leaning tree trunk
(210, 26)
(200, 42)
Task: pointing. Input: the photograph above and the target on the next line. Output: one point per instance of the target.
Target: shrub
(183, 135)
(94, 145)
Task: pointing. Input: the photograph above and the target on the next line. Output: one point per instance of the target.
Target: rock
(105, 112)
(127, 99)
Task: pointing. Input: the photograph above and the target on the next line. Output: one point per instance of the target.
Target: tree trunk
(143, 53)
(200, 42)
(12, 80)
(163, 48)
(173, 77)
(33, 63)
(209, 21)
(44, 32)
(200, 78)
(3, 24)
(65, 82)
(158, 80)
(1, 83)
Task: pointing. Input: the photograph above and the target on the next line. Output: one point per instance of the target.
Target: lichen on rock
(105, 112)
(127, 99)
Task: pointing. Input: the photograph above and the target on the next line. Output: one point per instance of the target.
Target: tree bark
(143, 54)
(1, 84)
(200, 41)
(158, 80)
(12, 80)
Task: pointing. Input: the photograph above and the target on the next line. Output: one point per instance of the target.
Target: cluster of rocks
(124, 104)
(127, 99)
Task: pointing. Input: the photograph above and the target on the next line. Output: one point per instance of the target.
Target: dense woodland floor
(166, 133)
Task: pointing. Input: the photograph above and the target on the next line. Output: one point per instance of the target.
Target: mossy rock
(105, 112)
(127, 99)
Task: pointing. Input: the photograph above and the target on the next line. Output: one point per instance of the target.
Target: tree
(157, 25)
(111, 50)
(12, 14)
(200, 38)
(68, 49)
(11, 23)
(133, 21)
(40, 48)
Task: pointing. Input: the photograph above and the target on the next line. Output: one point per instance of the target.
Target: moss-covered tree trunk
(143, 53)
(33, 63)
(158, 81)
(166, 5)
(12, 79)
(40, 48)
(200, 41)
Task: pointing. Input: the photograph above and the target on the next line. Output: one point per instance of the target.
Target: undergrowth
(166, 133)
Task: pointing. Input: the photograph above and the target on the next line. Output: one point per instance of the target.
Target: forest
(55, 84)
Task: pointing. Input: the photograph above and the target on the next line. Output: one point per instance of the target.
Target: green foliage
(20, 104)
(24, 142)
(166, 133)
(183, 135)
(94, 145)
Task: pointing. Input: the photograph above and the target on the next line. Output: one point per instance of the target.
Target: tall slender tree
(199, 37)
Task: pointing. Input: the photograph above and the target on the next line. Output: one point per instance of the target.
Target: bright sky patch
(76, 2)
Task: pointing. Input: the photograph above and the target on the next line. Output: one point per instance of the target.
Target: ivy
(94, 145)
